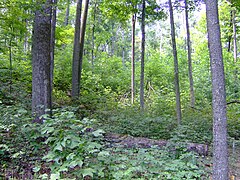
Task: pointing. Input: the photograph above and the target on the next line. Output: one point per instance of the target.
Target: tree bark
(142, 56)
(93, 34)
(133, 59)
(176, 76)
(192, 96)
(41, 57)
(123, 49)
(10, 65)
(235, 52)
(67, 14)
(76, 54)
(53, 30)
(220, 152)
(82, 37)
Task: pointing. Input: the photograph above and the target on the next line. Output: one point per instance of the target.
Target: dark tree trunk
(176, 78)
(235, 52)
(53, 30)
(142, 57)
(192, 97)
(10, 65)
(82, 37)
(66, 22)
(230, 36)
(220, 152)
(123, 49)
(41, 57)
(93, 34)
(133, 59)
(76, 53)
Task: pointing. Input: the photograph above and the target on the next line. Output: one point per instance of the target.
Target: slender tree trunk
(53, 30)
(10, 65)
(41, 58)
(230, 36)
(113, 39)
(82, 36)
(123, 49)
(25, 45)
(192, 97)
(66, 22)
(133, 59)
(176, 76)
(142, 57)
(235, 51)
(220, 152)
(76, 53)
(93, 34)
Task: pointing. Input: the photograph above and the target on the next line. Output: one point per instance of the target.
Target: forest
(122, 89)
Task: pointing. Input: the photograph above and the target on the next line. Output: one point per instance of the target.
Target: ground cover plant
(119, 89)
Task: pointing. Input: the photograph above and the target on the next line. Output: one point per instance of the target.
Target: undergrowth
(68, 147)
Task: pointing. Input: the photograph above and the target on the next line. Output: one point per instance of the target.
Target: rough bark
(53, 30)
(220, 153)
(133, 59)
(190, 76)
(82, 37)
(76, 53)
(142, 57)
(176, 76)
(41, 57)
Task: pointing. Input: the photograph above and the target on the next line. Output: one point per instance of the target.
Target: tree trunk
(41, 57)
(220, 153)
(67, 14)
(53, 30)
(10, 65)
(230, 36)
(123, 49)
(176, 78)
(93, 34)
(82, 36)
(142, 57)
(235, 52)
(76, 53)
(192, 97)
(133, 59)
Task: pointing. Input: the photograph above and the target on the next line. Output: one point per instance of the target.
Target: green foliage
(150, 164)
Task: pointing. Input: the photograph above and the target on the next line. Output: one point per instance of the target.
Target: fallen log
(142, 142)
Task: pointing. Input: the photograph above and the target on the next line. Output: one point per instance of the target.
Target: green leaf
(47, 130)
(98, 133)
(55, 176)
(88, 172)
(36, 169)
(58, 147)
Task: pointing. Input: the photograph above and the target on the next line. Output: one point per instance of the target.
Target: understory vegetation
(103, 134)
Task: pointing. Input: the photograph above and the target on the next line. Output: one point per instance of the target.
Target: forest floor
(126, 141)
(234, 162)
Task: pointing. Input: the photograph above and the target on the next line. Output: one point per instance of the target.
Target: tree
(190, 76)
(76, 53)
(142, 56)
(220, 152)
(235, 51)
(41, 57)
(52, 45)
(133, 59)
(176, 76)
(82, 36)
